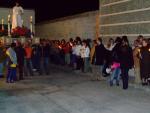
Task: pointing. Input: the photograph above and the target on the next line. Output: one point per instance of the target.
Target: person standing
(36, 57)
(2, 59)
(108, 54)
(20, 51)
(28, 61)
(99, 59)
(126, 61)
(145, 62)
(46, 57)
(136, 52)
(16, 16)
(78, 55)
(12, 63)
(85, 55)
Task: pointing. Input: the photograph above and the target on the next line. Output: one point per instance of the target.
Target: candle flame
(31, 18)
(9, 16)
(139, 50)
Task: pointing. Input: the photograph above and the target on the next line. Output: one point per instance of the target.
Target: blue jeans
(101, 69)
(45, 65)
(115, 75)
(87, 64)
(11, 76)
(28, 67)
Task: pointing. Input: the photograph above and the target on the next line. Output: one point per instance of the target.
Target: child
(115, 68)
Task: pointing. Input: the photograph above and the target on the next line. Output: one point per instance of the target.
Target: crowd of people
(113, 60)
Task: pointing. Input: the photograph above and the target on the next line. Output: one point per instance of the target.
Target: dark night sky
(51, 9)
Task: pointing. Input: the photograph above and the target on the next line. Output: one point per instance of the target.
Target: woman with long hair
(126, 61)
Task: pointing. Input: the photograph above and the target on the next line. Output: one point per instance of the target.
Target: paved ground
(66, 92)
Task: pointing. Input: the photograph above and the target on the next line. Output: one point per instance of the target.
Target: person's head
(78, 39)
(111, 41)
(84, 43)
(13, 45)
(1, 43)
(78, 42)
(136, 43)
(99, 41)
(145, 42)
(63, 41)
(118, 40)
(125, 40)
(27, 44)
(17, 4)
(94, 43)
(140, 38)
(18, 44)
(71, 39)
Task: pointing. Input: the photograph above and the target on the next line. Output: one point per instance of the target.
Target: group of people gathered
(113, 59)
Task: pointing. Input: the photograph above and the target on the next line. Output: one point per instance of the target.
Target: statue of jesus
(16, 16)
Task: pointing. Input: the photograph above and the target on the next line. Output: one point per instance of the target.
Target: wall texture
(83, 25)
(4, 12)
(119, 17)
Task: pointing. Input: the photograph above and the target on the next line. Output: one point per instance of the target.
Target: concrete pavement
(67, 92)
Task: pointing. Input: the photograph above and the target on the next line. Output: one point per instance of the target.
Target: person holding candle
(16, 17)
(136, 52)
(9, 28)
(145, 62)
(2, 24)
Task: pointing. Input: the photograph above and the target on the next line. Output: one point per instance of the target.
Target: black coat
(46, 50)
(99, 54)
(20, 52)
(145, 62)
(126, 57)
(115, 53)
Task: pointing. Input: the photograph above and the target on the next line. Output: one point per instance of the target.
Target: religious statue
(16, 16)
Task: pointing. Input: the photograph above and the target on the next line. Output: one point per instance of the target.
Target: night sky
(51, 9)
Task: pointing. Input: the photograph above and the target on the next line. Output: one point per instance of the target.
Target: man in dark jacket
(99, 60)
(20, 52)
(46, 57)
(36, 57)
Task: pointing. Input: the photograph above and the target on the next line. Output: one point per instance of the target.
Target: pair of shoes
(21, 78)
(117, 83)
(99, 79)
(11, 81)
(144, 84)
(47, 73)
(1, 76)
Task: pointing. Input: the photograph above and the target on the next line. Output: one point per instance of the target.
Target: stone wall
(83, 25)
(124, 17)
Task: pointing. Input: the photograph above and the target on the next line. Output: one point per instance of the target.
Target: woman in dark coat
(99, 59)
(99, 52)
(126, 60)
(145, 62)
